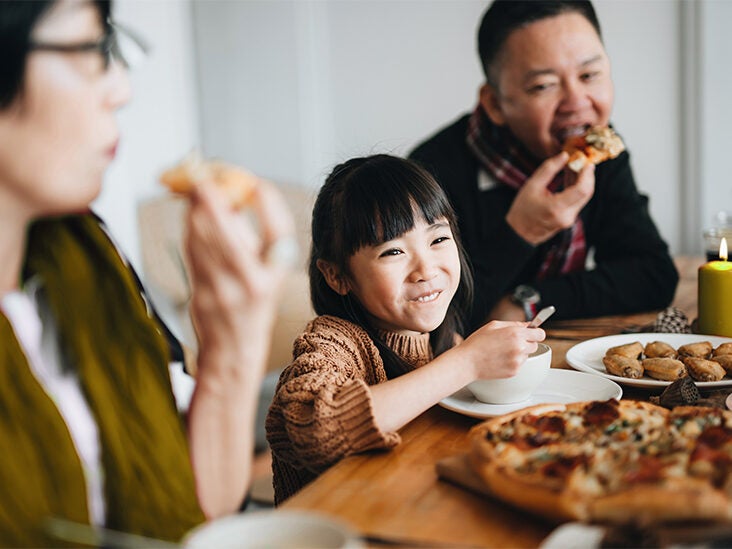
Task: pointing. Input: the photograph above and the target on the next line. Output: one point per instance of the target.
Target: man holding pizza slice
(540, 180)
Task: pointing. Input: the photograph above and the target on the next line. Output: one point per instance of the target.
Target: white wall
(642, 39)
(715, 183)
(160, 124)
(291, 88)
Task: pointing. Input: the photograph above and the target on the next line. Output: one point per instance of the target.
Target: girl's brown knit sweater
(322, 409)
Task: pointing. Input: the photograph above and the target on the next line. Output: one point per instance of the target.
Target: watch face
(526, 293)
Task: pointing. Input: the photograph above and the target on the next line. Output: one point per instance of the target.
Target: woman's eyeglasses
(119, 44)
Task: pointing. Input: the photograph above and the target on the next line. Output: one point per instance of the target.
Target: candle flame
(723, 249)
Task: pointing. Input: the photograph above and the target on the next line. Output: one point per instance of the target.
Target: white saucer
(574, 535)
(560, 386)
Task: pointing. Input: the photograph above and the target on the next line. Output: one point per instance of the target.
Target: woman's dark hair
(505, 16)
(17, 20)
(368, 201)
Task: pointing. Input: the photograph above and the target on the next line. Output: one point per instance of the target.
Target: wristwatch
(528, 298)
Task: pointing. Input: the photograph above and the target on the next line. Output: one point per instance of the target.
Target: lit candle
(715, 295)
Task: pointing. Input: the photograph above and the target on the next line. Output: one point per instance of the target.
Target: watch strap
(528, 298)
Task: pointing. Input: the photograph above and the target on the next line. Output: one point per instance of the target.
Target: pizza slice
(598, 144)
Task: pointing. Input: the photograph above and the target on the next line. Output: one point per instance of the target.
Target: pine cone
(682, 392)
(672, 321)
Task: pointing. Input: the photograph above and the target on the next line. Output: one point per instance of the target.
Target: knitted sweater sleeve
(322, 408)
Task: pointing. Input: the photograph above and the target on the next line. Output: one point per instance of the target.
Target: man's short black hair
(505, 16)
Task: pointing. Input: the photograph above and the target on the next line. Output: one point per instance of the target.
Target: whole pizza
(609, 461)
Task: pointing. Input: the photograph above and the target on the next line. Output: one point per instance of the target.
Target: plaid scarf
(508, 163)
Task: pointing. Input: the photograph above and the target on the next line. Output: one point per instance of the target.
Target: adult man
(527, 222)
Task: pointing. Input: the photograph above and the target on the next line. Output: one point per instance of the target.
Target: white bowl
(519, 387)
(281, 529)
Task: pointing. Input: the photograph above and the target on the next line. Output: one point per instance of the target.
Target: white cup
(518, 388)
(281, 529)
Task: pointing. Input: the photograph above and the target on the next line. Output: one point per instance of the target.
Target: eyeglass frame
(107, 46)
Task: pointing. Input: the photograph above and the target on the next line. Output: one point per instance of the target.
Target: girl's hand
(236, 271)
(498, 348)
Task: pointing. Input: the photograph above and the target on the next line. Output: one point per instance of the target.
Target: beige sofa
(161, 230)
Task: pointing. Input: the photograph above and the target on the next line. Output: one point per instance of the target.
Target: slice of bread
(237, 184)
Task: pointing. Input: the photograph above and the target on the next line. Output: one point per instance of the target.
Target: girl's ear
(491, 103)
(333, 277)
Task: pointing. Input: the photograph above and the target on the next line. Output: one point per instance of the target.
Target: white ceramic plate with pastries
(587, 356)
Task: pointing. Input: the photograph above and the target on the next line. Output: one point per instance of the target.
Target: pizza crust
(677, 500)
(555, 504)
(598, 144)
(549, 502)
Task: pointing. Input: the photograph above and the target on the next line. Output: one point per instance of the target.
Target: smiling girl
(389, 279)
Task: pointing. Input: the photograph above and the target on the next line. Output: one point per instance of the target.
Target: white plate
(560, 386)
(574, 535)
(587, 356)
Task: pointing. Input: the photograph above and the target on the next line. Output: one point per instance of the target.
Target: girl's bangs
(384, 206)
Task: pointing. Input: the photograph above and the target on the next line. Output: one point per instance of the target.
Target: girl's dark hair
(505, 16)
(368, 201)
(17, 20)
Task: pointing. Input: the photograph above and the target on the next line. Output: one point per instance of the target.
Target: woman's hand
(236, 272)
(235, 279)
(537, 214)
(498, 349)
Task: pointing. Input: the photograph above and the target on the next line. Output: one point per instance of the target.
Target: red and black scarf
(508, 163)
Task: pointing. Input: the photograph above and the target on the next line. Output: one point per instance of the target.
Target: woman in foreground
(88, 421)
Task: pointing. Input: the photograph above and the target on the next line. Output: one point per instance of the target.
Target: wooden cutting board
(456, 469)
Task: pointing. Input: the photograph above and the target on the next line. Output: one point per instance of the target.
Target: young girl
(389, 279)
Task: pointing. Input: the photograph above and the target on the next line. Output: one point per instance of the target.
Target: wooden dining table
(398, 497)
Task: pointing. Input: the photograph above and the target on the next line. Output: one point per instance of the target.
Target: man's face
(553, 81)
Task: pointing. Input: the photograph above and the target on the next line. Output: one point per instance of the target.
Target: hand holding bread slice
(240, 189)
(237, 184)
(598, 144)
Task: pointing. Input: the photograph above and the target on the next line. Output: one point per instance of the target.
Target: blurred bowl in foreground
(281, 529)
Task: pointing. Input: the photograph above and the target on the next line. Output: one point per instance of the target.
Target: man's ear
(491, 103)
(333, 276)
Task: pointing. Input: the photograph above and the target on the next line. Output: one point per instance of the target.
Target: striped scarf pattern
(508, 163)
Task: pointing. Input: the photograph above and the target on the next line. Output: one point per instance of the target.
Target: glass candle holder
(712, 240)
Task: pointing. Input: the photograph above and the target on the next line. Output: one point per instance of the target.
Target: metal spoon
(541, 316)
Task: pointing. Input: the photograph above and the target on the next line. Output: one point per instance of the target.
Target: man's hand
(537, 214)
(506, 309)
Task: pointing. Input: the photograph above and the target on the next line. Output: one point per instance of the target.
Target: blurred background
(290, 88)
